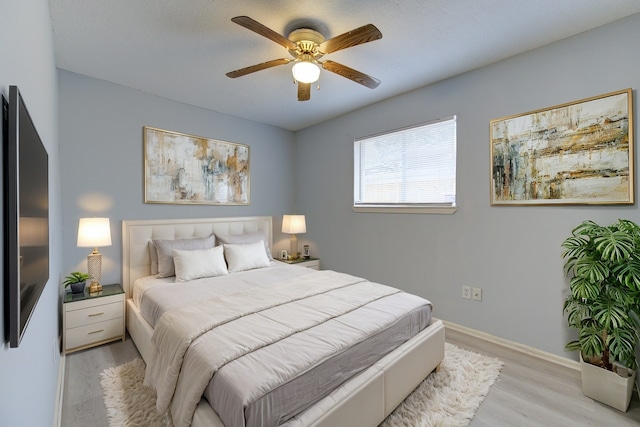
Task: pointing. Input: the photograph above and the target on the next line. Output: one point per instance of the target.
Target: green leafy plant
(603, 264)
(75, 277)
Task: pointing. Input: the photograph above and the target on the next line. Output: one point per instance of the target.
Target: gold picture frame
(575, 153)
(186, 169)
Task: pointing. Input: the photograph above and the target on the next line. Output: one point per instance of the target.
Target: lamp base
(293, 247)
(95, 287)
(94, 266)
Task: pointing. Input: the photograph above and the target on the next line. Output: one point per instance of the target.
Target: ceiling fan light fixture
(306, 71)
(307, 47)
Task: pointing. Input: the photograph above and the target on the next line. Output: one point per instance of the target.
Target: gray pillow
(243, 239)
(153, 254)
(164, 248)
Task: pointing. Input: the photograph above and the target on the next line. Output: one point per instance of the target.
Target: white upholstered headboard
(136, 261)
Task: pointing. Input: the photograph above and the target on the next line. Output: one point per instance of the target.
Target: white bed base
(365, 400)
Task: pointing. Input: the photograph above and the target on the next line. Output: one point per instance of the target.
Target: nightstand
(93, 319)
(313, 263)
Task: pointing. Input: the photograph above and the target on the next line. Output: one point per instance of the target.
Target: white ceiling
(181, 50)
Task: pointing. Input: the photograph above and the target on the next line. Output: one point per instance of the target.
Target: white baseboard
(57, 420)
(531, 351)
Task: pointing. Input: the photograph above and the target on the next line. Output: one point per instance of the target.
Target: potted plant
(77, 281)
(603, 264)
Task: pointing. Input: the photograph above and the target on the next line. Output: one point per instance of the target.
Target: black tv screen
(26, 216)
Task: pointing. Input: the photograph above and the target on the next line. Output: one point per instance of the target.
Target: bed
(363, 400)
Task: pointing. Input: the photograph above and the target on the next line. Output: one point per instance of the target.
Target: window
(407, 170)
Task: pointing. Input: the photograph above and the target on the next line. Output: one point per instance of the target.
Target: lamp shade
(94, 232)
(305, 72)
(293, 224)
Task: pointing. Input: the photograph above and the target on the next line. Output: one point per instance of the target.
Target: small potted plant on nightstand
(603, 264)
(77, 281)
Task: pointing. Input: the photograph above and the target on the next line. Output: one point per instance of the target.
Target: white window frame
(433, 208)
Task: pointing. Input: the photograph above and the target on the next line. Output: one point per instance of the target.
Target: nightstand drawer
(92, 302)
(95, 314)
(313, 263)
(96, 332)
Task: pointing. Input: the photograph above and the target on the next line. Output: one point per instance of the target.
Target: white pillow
(246, 257)
(165, 256)
(199, 263)
(243, 239)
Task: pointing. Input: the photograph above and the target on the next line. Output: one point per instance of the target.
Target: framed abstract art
(188, 169)
(575, 153)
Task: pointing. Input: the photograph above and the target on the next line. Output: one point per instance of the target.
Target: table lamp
(293, 224)
(92, 233)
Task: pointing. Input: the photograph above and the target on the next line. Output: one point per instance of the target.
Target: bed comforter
(195, 342)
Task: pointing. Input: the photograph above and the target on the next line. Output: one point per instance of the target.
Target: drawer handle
(96, 332)
(97, 314)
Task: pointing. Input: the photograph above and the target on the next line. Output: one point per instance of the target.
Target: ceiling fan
(307, 46)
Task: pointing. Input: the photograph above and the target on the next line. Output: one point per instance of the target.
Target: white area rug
(451, 396)
(446, 398)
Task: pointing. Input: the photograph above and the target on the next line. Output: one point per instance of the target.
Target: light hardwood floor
(532, 392)
(83, 403)
(529, 392)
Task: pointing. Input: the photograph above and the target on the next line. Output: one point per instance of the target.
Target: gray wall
(513, 253)
(102, 162)
(29, 373)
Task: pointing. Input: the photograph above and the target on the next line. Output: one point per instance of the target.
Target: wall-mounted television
(26, 216)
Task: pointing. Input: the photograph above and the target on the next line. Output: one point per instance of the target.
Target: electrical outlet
(466, 292)
(477, 294)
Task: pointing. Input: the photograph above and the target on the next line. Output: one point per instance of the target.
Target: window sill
(438, 210)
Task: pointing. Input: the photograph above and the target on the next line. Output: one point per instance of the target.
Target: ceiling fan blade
(258, 67)
(256, 27)
(304, 91)
(364, 34)
(351, 74)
